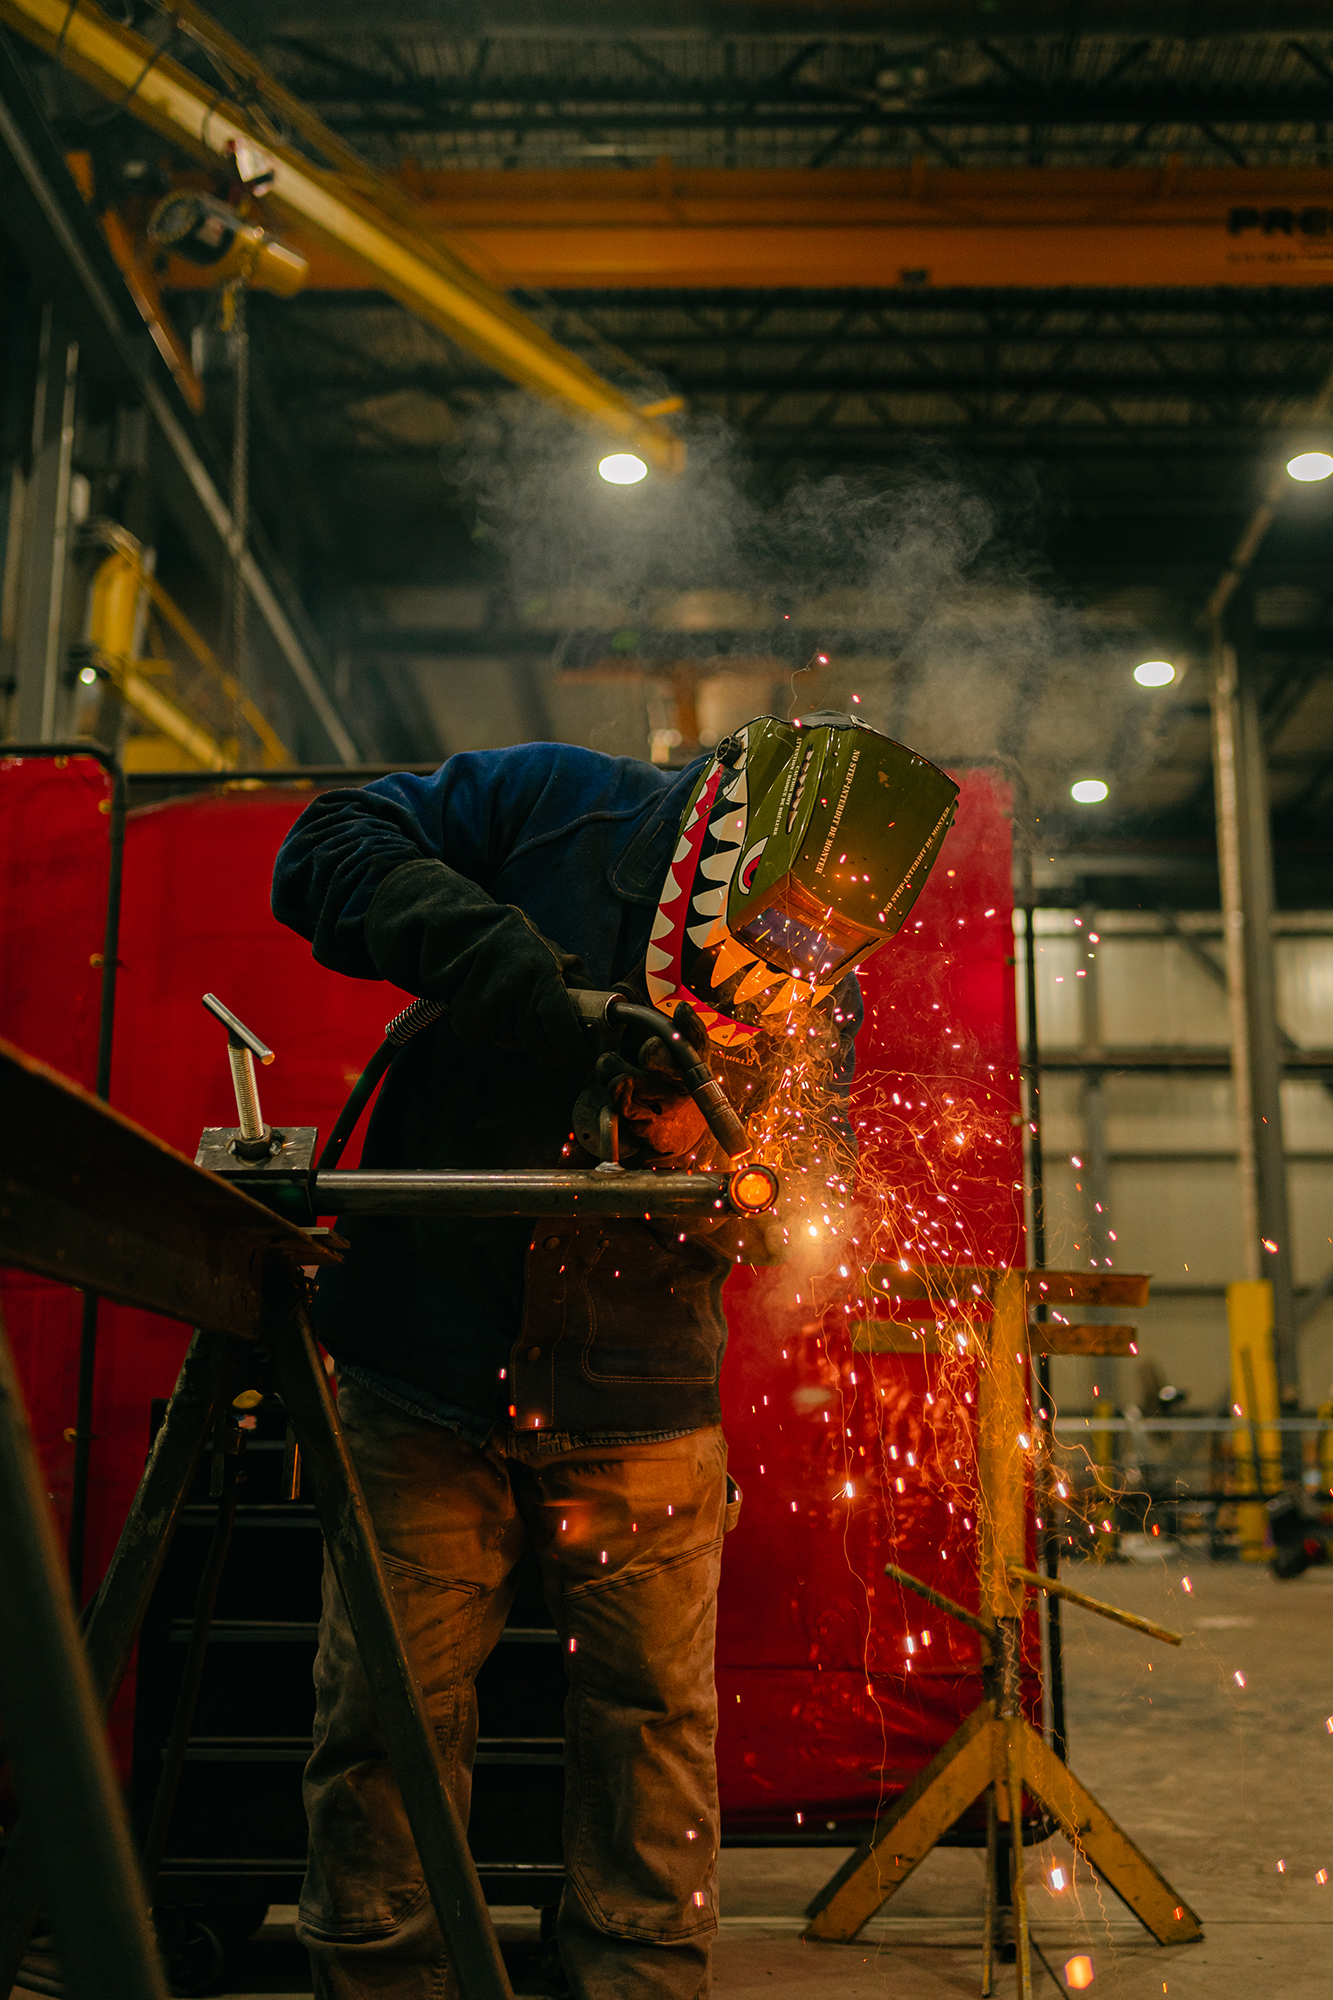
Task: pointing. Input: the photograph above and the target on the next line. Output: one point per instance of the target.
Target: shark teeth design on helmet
(800, 851)
(690, 924)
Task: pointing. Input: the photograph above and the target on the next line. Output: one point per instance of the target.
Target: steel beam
(570, 1191)
(202, 1392)
(853, 20)
(721, 315)
(400, 1707)
(1166, 1061)
(1246, 864)
(919, 226)
(364, 102)
(1219, 399)
(90, 1198)
(1092, 1090)
(54, 1738)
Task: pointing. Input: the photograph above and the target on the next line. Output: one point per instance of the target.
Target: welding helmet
(802, 848)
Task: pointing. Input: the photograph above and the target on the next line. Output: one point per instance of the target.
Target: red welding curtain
(830, 1716)
(55, 853)
(194, 918)
(843, 1461)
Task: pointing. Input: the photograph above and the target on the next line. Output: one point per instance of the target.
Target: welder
(507, 1388)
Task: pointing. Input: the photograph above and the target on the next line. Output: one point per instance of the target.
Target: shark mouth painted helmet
(801, 850)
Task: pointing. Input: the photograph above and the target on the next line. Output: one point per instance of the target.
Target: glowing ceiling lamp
(1154, 673)
(1089, 791)
(622, 468)
(1310, 465)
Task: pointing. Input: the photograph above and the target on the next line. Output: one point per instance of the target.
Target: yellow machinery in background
(345, 207)
(1256, 1452)
(223, 244)
(190, 230)
(197, 715)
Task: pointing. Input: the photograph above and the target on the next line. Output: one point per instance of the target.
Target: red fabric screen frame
(824, 1713)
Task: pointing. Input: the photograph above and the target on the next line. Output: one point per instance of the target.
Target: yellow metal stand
(997, 1752)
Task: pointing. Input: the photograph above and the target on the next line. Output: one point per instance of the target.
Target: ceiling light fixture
(622, 468)
(1154, 673)
(1089, 791)
(1308, 466)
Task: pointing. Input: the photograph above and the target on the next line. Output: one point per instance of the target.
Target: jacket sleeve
(346, 844)
(369, 878)
(340, 851)
(432, 931)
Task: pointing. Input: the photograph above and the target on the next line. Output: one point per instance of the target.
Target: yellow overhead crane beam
(376, 230)
(919, 225)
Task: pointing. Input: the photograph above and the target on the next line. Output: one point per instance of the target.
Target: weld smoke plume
(925, 583)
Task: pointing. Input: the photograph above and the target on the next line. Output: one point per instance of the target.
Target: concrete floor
(1218, 1783)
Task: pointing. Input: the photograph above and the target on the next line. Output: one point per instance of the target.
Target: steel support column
(1245, 858)
(49, 213)
(1095, 1173)
(43, 556)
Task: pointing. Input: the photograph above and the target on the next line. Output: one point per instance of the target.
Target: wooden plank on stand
(1056, 1336)
(1087, 1288)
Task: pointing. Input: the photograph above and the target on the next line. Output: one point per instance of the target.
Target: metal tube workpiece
(521, 1191)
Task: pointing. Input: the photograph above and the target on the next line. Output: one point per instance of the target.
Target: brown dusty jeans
(629, 1540)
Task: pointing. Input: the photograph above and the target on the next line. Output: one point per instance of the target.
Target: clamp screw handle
(243, 1045)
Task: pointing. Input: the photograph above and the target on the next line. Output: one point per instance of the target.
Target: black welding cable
(397, 1034)
(722, 1121)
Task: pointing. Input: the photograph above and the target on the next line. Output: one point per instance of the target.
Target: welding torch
(613, 1010)
(595, 1010)
(269, 1165)
(747, 1188)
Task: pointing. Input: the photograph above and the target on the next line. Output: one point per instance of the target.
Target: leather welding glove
(659, 1119)
(433, 932)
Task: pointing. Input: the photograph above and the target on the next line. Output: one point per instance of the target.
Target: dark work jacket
(622, 1321)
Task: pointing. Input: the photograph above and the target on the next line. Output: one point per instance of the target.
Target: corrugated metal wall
(1172, 1184)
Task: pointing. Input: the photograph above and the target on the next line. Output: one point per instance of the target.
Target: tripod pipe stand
(997, 1751)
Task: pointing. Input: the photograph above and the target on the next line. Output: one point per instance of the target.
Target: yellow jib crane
(119, 586)
(347, 207)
